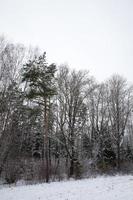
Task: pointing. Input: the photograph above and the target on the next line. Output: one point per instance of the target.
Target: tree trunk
(72, 160)
(71, 167)
(118, 155)
(46, 140)
(118, 135)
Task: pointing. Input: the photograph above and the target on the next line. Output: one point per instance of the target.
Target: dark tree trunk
(72, 160)
(71, 167)
(118, 156)
(46, 141)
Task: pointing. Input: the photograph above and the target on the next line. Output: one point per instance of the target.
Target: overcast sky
(87, 34)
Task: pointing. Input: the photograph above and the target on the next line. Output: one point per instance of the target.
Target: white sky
(87, 34)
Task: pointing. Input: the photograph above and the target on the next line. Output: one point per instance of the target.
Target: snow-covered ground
(101, 188)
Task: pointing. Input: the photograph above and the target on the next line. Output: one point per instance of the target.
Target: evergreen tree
(39, 78)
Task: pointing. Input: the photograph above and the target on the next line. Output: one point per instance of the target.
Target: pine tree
(39, 78)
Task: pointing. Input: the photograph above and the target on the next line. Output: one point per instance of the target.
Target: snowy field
(101, 188)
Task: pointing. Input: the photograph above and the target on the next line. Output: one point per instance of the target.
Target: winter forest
(58, 123)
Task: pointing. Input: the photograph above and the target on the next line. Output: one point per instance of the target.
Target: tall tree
(120, 104)
(39, 78)
(73, 89)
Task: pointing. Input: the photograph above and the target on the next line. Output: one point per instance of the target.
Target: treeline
(58, 123)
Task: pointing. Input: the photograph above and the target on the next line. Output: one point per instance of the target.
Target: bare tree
(73, 89)
(120, 100)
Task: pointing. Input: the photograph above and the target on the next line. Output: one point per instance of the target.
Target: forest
(58, 123)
